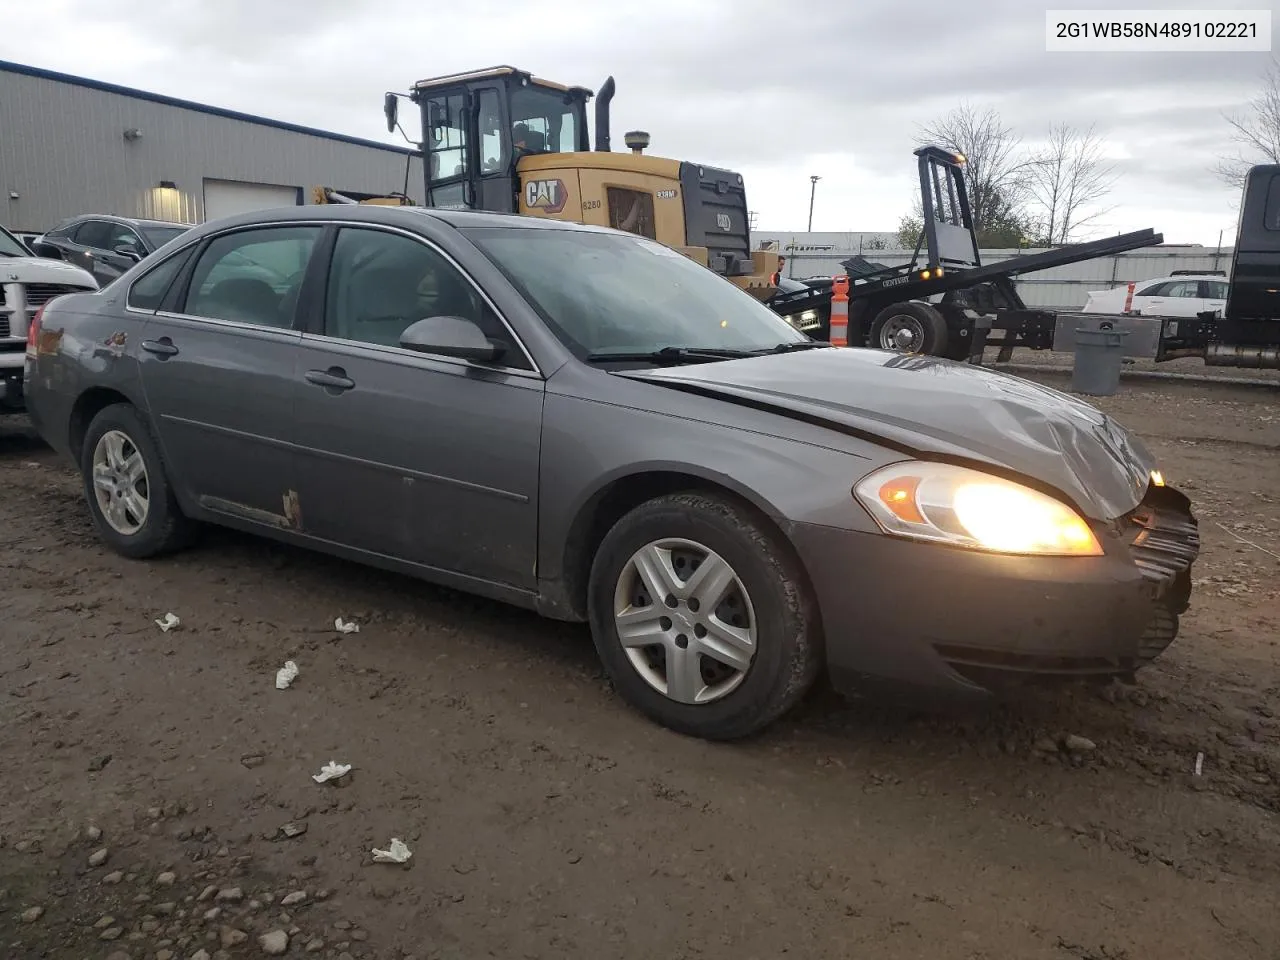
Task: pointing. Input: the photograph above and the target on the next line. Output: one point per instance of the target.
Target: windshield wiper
(675, 354)
(790, 346)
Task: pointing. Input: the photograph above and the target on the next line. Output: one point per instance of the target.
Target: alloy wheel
(120, 482)
(685, 620)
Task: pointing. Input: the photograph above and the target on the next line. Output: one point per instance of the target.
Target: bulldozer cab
(477, 126)
(506, 141)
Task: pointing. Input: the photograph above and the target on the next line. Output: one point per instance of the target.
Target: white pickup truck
(27, 282)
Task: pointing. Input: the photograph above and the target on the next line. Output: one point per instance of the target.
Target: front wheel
(702, 618)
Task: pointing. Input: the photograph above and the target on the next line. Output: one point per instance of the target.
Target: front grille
(38, 294)
(4, 328)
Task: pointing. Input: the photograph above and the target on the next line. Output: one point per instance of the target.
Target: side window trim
(316, 329)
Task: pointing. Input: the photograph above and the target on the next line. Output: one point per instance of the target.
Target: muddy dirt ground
(159, 800)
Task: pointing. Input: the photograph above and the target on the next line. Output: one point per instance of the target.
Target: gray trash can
(1099, 354)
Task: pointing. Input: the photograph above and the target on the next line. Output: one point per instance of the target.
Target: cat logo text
(545, 196)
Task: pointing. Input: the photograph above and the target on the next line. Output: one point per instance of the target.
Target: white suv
(27, 282)
(1181, 295)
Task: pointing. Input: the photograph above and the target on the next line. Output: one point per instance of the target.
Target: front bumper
(951, 622)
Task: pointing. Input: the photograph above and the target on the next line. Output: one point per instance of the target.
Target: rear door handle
(161, 348)
(335, 378)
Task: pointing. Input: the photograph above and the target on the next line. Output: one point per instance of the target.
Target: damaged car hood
(932, 407)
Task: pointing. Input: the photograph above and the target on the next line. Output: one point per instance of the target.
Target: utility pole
(813, 187)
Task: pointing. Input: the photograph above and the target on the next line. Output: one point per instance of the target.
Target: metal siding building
(71, 146)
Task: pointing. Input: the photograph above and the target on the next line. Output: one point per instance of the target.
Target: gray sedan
(588, 424)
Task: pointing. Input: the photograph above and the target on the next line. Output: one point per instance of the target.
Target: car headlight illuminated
(967, 508)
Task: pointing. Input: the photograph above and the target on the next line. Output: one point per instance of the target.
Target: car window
(63, 228)
(381, 282)
(1216, 289)
(1183, 288)
(1271, 214)
(617, 293)
(147, 292)
(159, 236)
(252, 276)
(119, 234)
(93, 233)
(11, 246)
(1155, 290)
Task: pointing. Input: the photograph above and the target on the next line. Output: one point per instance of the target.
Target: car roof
(399, 216)
(131, 221)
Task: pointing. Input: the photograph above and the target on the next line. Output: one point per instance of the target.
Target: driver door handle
(161, 348)
(335, 378)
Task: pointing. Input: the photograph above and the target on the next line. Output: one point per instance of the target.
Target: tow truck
(950, 304)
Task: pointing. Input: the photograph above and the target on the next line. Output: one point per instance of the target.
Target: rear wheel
(127, 487)
(702, 618)
(910, 327)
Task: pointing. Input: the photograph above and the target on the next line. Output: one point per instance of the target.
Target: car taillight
(33, 332)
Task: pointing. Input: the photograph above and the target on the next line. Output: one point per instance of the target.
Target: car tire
(118, 433)
(767, 594)
(927, 326)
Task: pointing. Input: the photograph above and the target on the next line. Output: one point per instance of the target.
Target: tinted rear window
(1271, 219)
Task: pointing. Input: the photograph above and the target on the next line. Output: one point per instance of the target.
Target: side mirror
(452, 337)
(128, 250)
(391, 109)
(46, 250)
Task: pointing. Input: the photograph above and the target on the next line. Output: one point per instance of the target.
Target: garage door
(224, 198)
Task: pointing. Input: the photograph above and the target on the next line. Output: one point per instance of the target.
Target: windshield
(544, 120)
(159, 236)
(11, 246)
(609, 293)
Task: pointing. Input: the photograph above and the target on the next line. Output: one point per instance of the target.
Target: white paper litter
(286, 675)
(331, 771)
(168, 623)
(399, 853)
(1199, 763)
(346, 626)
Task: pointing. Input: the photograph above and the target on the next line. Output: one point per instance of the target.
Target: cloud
(832, 88)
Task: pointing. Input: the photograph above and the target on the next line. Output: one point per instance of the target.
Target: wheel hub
(902, 333)
(685, 620)
(120, 482)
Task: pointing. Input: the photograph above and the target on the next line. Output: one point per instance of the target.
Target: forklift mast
(949, 232)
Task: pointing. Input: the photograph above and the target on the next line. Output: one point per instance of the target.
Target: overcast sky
(838, 90)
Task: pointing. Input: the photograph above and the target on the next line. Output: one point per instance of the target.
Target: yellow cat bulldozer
(506, 141)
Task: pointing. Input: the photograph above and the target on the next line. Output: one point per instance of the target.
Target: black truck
(946, 302)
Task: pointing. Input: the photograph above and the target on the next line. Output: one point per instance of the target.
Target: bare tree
(1256, 133)
(995, 171)
(1065, 180)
